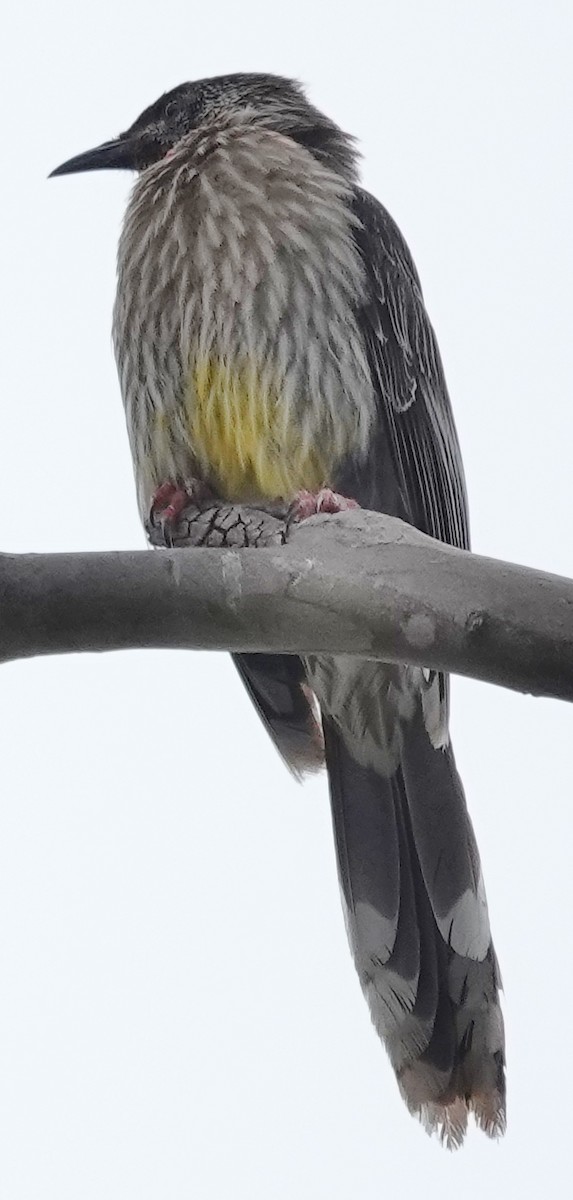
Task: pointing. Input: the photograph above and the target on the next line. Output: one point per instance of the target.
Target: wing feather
(415, 415)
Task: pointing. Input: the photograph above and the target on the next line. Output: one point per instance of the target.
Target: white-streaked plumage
(239, 249)
(271, 336)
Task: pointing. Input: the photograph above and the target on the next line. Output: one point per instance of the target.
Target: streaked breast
(235, 326)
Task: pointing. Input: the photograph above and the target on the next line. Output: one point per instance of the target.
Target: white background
(178, 1010)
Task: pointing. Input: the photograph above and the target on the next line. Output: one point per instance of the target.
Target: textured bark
(359, 583)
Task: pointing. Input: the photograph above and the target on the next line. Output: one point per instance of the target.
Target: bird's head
(267, 100)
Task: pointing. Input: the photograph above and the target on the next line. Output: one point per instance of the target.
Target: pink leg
(307, 504)
(169, 500)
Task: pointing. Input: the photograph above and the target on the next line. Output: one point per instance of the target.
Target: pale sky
(179, 1013)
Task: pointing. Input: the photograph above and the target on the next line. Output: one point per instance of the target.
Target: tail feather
(414, 1035)
(372, 897)
(450, 864)
(418, 928)
(411, 883)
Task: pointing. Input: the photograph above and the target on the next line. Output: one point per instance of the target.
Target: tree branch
(356, 583)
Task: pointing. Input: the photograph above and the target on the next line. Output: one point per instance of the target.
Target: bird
(272, 343)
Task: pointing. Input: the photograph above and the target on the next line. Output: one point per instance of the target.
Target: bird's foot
(308, 504)
(169, 501)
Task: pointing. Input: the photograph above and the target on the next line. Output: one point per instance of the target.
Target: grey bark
(359, 583)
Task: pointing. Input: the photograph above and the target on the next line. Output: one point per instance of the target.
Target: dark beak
(120, 154)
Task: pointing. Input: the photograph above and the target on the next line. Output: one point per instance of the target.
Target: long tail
(418, 928)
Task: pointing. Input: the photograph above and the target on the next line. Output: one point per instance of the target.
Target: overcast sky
(179, 1013)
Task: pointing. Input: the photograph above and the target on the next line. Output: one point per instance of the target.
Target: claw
(169, 501)
(308, 504)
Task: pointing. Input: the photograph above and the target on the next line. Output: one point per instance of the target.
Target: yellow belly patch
(245, 438)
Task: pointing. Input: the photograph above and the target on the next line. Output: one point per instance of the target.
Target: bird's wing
(278, 687)
(414, 467)
(416, 434)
